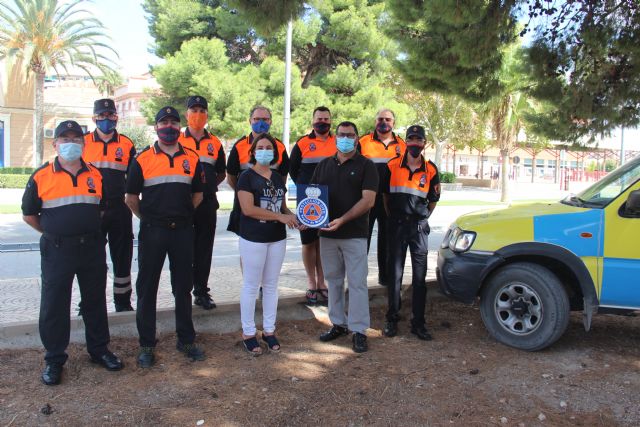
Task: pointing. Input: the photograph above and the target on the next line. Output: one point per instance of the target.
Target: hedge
(13, 180)
(447, 177)
(16, 171)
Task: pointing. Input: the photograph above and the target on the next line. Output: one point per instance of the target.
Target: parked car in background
(531, 264)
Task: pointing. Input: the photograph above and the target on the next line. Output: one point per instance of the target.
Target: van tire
(524, 305)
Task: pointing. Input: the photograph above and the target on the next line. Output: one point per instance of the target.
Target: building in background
(128, 98)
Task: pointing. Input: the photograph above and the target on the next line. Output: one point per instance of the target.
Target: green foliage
(13, 180)
(447, 177)
(140, 135)
(16, 171)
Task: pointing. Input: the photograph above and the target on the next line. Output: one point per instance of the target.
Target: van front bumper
(460, 275)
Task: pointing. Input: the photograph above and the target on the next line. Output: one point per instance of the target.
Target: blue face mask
(70, 151)
(260, 126)
(264, 157)
(345, 145)
(106, 125)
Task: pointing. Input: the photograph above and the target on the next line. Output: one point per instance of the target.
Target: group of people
(86, 196)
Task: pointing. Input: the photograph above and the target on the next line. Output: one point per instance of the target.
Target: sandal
(272, 342)
(324, 293)
(312, 296)
(250, 345)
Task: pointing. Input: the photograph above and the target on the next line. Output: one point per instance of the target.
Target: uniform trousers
(62, 259)
(204, 224)
(155, 242)
(378, 213)
(118, 230)
(405, 232)
(348, 257)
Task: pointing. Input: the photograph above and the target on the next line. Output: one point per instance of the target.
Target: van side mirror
(632, 205)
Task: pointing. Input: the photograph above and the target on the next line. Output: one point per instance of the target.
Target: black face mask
(321, 127)
(414, 150)
(168, 135)
(383, 127)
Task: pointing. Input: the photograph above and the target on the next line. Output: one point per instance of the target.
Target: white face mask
(70, 151)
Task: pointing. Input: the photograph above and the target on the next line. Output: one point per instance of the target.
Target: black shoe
(421, 332)
(192, 351)
(109, 360)
(333, 333)
(52, 374)
(205, 302)
(123, 307)
(146, 358)
(390, 329)
(359, 342)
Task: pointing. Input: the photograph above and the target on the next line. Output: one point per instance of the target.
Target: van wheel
(524, 305)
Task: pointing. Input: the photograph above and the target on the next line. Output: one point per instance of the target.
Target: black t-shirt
(346, 182)
(268, 194)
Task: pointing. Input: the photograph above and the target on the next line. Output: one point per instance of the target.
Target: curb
(223, 319)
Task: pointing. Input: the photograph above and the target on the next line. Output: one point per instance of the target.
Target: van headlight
(458, 240)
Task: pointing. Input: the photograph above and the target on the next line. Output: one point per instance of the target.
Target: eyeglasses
(62, 140)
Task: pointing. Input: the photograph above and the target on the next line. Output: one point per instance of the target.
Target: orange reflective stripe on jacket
(207, 148)
(314, 150)
(243, 146)
(158, 168)
(112, 155)
(416, 183)
(57, 188)
(375, 150)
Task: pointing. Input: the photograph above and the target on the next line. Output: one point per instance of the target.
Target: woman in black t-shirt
(264, 214)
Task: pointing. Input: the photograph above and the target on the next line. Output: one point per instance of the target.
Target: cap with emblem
(167, 111)
(68, 126)
(194, 101)
(415, 130)
(104, 106)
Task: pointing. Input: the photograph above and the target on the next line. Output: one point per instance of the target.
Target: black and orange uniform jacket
(411, 192)
(68, 205)
(212, 159)
(307, 153)
(166, 183)
(374, 149)
(239, 157)
(112, 158)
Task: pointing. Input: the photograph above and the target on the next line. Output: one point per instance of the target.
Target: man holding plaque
(352, 181)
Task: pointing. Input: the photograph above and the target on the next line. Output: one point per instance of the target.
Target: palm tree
(52, 35)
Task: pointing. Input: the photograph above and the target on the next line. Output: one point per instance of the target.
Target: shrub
(16, 171)
(13, 180)
(447, 177)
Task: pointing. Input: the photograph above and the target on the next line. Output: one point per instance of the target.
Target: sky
(125, 23)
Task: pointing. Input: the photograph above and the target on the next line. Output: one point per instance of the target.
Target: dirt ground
(463, 377)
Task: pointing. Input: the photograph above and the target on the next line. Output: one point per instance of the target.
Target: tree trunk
(533, 168)
(454, 163)
(504, 192)
(39, 127)
(438, 156)
(478, 175)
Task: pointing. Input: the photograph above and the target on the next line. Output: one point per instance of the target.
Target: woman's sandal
(312, 296)
(324, 293)
(250, 345)
(272, 342)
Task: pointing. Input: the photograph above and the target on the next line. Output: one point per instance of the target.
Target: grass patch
(10, 209)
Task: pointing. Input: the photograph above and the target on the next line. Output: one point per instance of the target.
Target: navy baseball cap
(415, 130)
(104, 106)
(68, 126)
(167, 111)
(197, 101)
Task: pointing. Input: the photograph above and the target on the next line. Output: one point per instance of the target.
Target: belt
(78, 239)
(169, 223)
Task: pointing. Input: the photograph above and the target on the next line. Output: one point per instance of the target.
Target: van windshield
(608, 188)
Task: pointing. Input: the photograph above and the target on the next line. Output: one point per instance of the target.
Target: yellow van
(531, 264)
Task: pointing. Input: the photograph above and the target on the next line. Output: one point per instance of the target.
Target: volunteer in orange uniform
(63, 202)
(169, 177)
(239, 158)
(310, 150)
(411, 189)
(111, 152)
(213, 162)
(380, 146)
